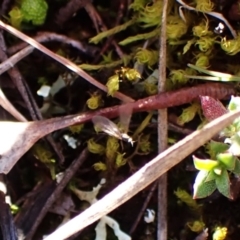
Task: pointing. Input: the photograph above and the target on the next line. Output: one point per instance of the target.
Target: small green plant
(188, 114)
(76, 128)
(214, 173)
(46, 157)
(220, 233)
(123, 74)
(195, 224)
(16, 17)
(34, 11)
(95, 101)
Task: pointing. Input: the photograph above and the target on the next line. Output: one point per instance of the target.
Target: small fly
(105, 125)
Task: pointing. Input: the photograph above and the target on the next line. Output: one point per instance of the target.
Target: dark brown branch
(68, 174)
(48, 37)
(66, 12)
(8, 230)
(21, 136)
(159, 101)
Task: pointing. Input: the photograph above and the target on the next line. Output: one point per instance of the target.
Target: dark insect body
(105, 125)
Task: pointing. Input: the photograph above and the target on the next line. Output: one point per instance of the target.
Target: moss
(34, 11)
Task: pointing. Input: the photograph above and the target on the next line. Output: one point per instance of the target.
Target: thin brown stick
(70, 65)
(111, 38)
(10, 62)
(68, 10)
(97, 20)
(7, 105)
(162, 128)
(68, 174)
(159, 101)
(47, 37)
(26, 94)
(21, 136)
(16, 77)
(141, 212)
(5, 5)
(8, 229)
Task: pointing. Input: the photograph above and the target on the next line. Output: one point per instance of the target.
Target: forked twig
(70, 65)
(26, 94)
(10, 62)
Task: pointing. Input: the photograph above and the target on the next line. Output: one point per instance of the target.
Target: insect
(220, 28)
(105, 125)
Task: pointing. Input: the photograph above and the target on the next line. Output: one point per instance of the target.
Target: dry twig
(162, 128)
(70, 65)
(20, 136)
(146, 175)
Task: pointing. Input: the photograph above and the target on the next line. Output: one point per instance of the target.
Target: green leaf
(214, 148)
(235, 127)
(202, 188)
(100, 166)
(16, 17)
(236, 170)
(211, 176)
(188, 45)
(234, 103)
(113, 84)
(202, 164)
(107, 58)
(188, 114)
(218, 171)
(223, 184)
(227, 159)
(218, 76)
(229, 131)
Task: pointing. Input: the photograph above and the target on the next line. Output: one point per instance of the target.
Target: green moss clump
(34, 11)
